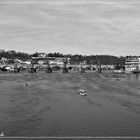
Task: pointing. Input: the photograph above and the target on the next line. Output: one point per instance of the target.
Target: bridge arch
(38, 68)
(6, 68)
(23, 68)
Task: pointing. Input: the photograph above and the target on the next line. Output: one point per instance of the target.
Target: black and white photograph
(70, 69)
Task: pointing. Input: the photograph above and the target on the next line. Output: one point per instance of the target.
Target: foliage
(118, 62)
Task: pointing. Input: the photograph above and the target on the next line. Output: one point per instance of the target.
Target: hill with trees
(75, 59)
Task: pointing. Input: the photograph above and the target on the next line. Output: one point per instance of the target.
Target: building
(42, 60)
(51, 60)
(42, 55)
(132, 64)
(58, 61)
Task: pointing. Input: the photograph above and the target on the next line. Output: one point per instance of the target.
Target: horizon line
(2, 50)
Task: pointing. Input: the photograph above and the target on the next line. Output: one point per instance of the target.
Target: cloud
(71, 28)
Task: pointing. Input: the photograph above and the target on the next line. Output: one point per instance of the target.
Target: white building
(132, 64)
(42, 54)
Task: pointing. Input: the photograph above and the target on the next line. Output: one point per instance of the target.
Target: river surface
(50, 105)
(134, 77)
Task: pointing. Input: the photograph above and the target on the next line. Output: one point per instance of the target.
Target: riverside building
(132, 64)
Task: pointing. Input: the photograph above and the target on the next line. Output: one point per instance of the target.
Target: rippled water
(51, 105)
(134, 77)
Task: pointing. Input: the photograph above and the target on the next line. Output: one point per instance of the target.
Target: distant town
(92, 62)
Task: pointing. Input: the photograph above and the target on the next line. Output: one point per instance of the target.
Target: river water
(51, 105)
(134, 77)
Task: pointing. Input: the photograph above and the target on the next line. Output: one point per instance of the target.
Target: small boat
(83, 94)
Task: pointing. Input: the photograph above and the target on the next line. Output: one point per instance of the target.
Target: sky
(71, 27)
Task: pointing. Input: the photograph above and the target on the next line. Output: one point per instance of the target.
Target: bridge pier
(48, 70)
(64, 69)
(31, 70)
(16, 68)
(82, 70)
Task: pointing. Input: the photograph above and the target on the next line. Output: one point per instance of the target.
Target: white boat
(83, 94)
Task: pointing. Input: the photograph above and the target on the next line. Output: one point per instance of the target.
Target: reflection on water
(134, 77)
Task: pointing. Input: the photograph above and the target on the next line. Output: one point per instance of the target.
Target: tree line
(75, 59)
